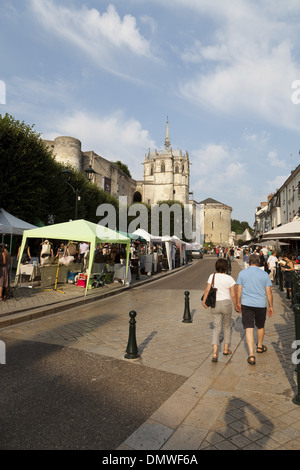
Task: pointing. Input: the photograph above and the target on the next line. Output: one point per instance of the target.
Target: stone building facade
(217, 222)
(166, 172)
(108, 176)
(281, 207)
(166, 177)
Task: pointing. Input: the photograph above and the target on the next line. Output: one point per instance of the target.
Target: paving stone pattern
(223, 405)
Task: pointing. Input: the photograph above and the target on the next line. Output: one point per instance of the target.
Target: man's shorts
(253, 316)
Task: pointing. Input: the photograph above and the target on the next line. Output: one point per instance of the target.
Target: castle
(166, 177)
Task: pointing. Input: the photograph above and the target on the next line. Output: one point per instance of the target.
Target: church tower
(166, 174)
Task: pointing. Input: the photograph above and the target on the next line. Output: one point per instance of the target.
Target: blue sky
(110, 72)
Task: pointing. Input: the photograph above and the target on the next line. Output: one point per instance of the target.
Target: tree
(30, 180)
(123, 168)
(240, 227)
(32, 185)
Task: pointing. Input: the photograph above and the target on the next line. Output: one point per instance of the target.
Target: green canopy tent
(78, 230)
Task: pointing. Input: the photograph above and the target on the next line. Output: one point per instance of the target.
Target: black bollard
(296, 309)
(187, 314)
(132, 349)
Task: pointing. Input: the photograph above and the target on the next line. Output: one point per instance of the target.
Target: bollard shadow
(193, 313)
(146, 341)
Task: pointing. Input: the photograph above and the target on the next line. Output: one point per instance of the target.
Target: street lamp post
(89, 173)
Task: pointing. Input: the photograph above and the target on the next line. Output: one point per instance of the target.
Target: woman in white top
(225, 286)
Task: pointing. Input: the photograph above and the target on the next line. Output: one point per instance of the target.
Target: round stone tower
(217, 222)
(67, 150)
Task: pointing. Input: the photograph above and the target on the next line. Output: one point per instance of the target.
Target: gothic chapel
(166, 175)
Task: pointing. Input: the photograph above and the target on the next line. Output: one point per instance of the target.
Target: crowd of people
(250, 295)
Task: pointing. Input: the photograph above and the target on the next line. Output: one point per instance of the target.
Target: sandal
(214, 359)
(263, 349)
(226, 352)
(252, 363)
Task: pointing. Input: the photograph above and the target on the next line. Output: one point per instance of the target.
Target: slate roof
(209, 200)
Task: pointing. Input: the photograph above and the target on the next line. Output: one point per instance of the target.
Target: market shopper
(272, 260)
(222, 312)
(246, 259)
(5, 261)
(287, 269)
(253, 294)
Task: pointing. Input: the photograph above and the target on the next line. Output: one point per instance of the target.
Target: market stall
(78, 230)
(148, 257)
(12, 226)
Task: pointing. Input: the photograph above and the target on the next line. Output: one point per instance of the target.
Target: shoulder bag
(211, 297)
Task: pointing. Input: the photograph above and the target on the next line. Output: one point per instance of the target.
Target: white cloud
(273, 159)
(106, 38)
(261, 138)
(276, 183)
(212, 166)
(114, 137)
(247, 67)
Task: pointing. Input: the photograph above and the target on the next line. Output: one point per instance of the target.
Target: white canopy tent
(182, 246)
(169, 248)
(170, 242)
(11, 225)
(147, 236)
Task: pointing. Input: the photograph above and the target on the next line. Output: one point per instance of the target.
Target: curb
(34, 313)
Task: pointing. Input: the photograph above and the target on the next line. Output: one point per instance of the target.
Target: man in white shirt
(83, 250)
(272, 260)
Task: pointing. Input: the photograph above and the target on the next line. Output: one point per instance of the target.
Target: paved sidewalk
(224, 405)
(231, 405)
(31, 302)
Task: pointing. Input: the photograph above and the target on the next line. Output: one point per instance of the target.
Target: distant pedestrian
(246, 260)
(253, 294)
(287, 273)
(272, 260)
(5, 261)
(262, 261)
(265, 253)
(222, 312)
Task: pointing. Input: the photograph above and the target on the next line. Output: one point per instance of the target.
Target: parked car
(197, 253)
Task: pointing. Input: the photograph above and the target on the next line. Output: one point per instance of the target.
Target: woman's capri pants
(222, 313)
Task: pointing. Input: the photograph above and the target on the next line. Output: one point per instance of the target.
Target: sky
(110, 73)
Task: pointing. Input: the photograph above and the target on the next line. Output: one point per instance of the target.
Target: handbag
(211, 297)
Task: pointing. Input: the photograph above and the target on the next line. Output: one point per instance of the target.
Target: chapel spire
(167, 139)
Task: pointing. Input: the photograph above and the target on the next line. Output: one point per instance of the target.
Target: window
(151, 171)
(162, 167)
(176, 169)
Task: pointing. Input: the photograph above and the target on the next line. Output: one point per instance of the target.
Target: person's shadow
(245, 427)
